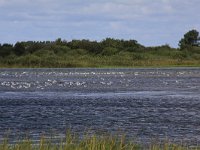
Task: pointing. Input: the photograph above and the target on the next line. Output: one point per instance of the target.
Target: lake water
(141, 103)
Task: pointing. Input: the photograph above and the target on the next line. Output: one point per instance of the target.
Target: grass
(93, 142)
(71, 59)
(98, 62)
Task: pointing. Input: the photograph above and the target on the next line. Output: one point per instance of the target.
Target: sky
(150, 22)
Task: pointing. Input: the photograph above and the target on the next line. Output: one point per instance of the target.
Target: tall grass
(92, 142)
(79, 58)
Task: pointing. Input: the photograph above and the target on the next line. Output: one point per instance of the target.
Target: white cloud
(135, 9)
(119, 18)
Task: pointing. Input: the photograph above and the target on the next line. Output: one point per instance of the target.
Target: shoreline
(105, 67)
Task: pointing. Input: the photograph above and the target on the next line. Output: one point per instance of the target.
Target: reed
(160, 57)
(91, 142)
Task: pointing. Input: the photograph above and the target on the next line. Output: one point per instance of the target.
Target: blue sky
(150, 22)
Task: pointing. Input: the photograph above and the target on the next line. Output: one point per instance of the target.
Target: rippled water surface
(143, 103)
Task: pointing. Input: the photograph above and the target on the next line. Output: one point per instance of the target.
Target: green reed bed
(94, 142)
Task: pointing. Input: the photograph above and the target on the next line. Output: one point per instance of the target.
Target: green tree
(19, 49)
(190, 39)
(108, 51)
(5, 50)
(58, 41)
(90, 46)
(110, 42)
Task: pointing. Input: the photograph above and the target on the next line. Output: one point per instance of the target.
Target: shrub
(108, 51)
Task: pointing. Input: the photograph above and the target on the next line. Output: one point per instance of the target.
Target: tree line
(108, 46)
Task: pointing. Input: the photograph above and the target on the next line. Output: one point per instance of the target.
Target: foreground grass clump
(94, 142)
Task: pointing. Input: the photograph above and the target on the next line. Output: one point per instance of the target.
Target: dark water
(142, 103)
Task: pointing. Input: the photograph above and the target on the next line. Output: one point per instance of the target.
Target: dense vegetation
(93, 142)
(106, 53)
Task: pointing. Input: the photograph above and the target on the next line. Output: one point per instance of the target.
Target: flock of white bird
(59, 81)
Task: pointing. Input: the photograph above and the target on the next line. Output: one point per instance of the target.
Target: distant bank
(106, 53)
